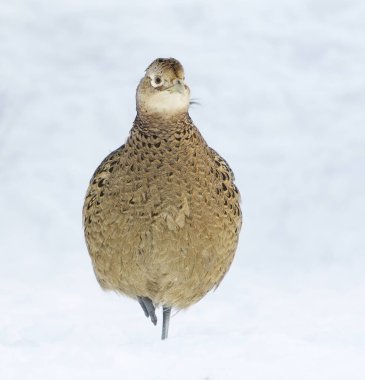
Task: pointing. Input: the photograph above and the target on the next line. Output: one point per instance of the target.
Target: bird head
(163, 90)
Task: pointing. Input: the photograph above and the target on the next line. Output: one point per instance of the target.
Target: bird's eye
(157, 81)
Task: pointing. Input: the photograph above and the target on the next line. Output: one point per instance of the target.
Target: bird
(162, 213)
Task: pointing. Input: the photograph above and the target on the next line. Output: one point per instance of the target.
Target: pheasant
(162, 213)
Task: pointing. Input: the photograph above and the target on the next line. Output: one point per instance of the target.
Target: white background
(282, 92)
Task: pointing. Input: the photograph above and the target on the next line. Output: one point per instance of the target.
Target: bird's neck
(162, 124)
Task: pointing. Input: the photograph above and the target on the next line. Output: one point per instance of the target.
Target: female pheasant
(162, 214)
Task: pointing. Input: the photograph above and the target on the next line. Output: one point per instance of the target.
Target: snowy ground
(282, 88)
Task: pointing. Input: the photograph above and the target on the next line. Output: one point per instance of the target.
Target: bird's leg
(143, 306)
(166, 312)
(148, 308)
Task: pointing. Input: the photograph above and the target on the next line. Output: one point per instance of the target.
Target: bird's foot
(148, 308)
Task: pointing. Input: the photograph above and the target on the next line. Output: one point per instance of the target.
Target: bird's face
(163, 90)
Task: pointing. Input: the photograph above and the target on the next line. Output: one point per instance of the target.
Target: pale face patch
(167, 102)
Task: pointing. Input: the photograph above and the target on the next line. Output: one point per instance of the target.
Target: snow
(282, 92)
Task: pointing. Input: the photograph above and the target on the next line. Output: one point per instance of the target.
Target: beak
(178, 86)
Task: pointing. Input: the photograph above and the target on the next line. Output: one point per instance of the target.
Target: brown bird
(162, 214)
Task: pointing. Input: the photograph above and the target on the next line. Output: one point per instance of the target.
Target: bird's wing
(109, 161)
(223, 163)
(99, 179)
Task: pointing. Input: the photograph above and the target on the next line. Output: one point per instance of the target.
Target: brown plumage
(161, 214)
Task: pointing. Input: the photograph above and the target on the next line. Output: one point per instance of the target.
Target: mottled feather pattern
(162, 215)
